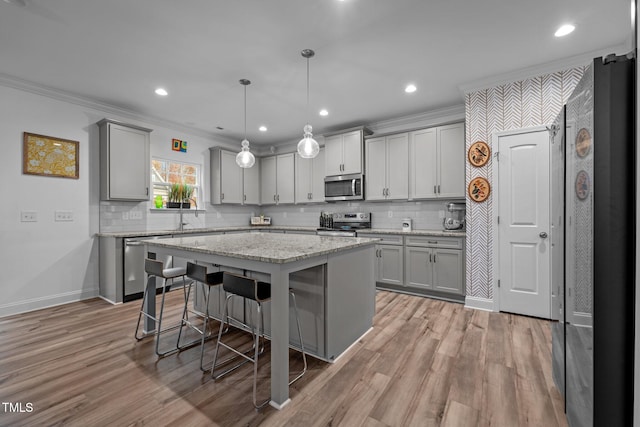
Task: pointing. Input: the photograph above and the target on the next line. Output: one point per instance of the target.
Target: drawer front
(435, 242)
(387, 239)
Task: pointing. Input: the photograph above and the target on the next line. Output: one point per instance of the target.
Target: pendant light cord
(307, 90)
(245, 112)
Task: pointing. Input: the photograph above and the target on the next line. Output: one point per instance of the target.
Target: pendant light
(245, 159)
(308, 147)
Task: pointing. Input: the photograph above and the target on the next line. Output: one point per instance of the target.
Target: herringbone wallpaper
(522, 104)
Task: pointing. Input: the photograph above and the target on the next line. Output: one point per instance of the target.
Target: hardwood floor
(425, 363)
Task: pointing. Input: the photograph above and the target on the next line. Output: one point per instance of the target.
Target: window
(165, 173)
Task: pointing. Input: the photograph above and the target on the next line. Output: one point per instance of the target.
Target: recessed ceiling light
(262, 128)
(324, 112)
(410, 88)
(162, 92)
(564, 30)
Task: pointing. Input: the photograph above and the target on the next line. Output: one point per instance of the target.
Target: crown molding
(437, 117)
(59, 95)
(541, 69)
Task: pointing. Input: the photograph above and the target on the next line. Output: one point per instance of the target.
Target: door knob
(543, 235)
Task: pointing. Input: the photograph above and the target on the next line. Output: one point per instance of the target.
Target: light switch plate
(61, 216)
(29, 216)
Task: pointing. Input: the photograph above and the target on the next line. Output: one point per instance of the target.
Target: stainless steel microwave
(344, 187)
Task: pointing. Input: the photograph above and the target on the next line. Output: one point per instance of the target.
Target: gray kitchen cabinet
(124, 161)
(277, 176)
(251, 184)
(389, 262)
(435, 264)
(226, 177)
(387, 164)
(344, 152)
(231, 184)
(436, 162)
(309, 182)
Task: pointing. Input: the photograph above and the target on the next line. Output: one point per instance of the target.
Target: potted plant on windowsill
(180, 194)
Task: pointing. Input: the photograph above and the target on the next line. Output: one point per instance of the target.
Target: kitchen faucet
(182, 223)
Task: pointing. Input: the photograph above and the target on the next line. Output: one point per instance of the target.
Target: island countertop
(264, 247)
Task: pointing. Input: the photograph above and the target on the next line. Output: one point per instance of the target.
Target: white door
(523, 229)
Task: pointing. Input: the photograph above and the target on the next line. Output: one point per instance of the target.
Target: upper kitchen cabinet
(387, 162)
(124, 161)
(231, 184)
(436, 162)
(277, 179)
(343, 152)
(309, 184)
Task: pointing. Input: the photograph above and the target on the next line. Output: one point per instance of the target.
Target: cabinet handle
(310, 196)
(430, 258)
(147, 191)
(277, 198)
(434, 258)
(274, 197)
(438, 188)
(245, 198)
(435, 190)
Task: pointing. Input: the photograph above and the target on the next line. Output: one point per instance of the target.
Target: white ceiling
(117, 52)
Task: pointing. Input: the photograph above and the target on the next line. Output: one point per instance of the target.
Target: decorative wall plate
(583, 142)
(479, 189)
(583, 185)
(479, 153)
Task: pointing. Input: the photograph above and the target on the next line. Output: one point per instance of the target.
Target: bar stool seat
(155, 268)
(260, 292)
(198, 273)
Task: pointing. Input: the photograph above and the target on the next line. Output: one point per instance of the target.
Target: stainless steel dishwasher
(134, 279)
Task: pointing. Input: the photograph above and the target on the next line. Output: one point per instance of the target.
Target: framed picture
(50, 156)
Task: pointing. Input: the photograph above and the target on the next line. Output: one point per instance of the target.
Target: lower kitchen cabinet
(434, 269)
(389, 263)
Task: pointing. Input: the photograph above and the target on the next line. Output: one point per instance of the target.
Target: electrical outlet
(29, 216)
(135, 215)
(63, 216)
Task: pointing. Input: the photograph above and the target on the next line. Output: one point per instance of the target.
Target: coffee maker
(454, 216)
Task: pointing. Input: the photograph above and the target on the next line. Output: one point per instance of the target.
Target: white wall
(46, 263)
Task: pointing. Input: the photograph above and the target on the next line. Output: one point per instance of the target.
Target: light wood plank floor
(425, 363)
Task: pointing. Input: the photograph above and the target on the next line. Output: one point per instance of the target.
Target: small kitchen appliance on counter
(343, 224)
(406, 225)
(454, 216)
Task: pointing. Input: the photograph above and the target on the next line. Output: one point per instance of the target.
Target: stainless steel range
(343, 223)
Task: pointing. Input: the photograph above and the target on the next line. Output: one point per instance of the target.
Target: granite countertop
(274, 248)
(126, 234)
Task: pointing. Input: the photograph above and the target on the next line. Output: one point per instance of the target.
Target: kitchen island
(347, 267)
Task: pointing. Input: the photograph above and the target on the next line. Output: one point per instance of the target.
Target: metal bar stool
(198, 273)
(155, 268)
(252, 289)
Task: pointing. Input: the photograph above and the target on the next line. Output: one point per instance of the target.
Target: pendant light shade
(245, 158)
(308, 147)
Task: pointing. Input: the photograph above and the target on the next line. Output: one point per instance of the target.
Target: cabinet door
(422, 164)
(230, 178)
(352, 152)
(268, 180)
(303, 172)
(285, 178)
(419, 268)
(390, 264)
(376, 160)
(451, 160)
(448, 270)
(397, 166)
(317, 177)
(333, 155)
(251, 184)
(128, 163)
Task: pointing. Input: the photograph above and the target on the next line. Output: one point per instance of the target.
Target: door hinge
(498, 282)
(497, 155)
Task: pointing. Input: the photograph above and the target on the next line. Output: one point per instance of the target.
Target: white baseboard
(479, 303)
(108, 300)
(47, 301)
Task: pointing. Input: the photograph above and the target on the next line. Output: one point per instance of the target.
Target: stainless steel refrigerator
(594, 171)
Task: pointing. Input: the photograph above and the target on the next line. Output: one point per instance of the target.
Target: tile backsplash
(127, 216)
